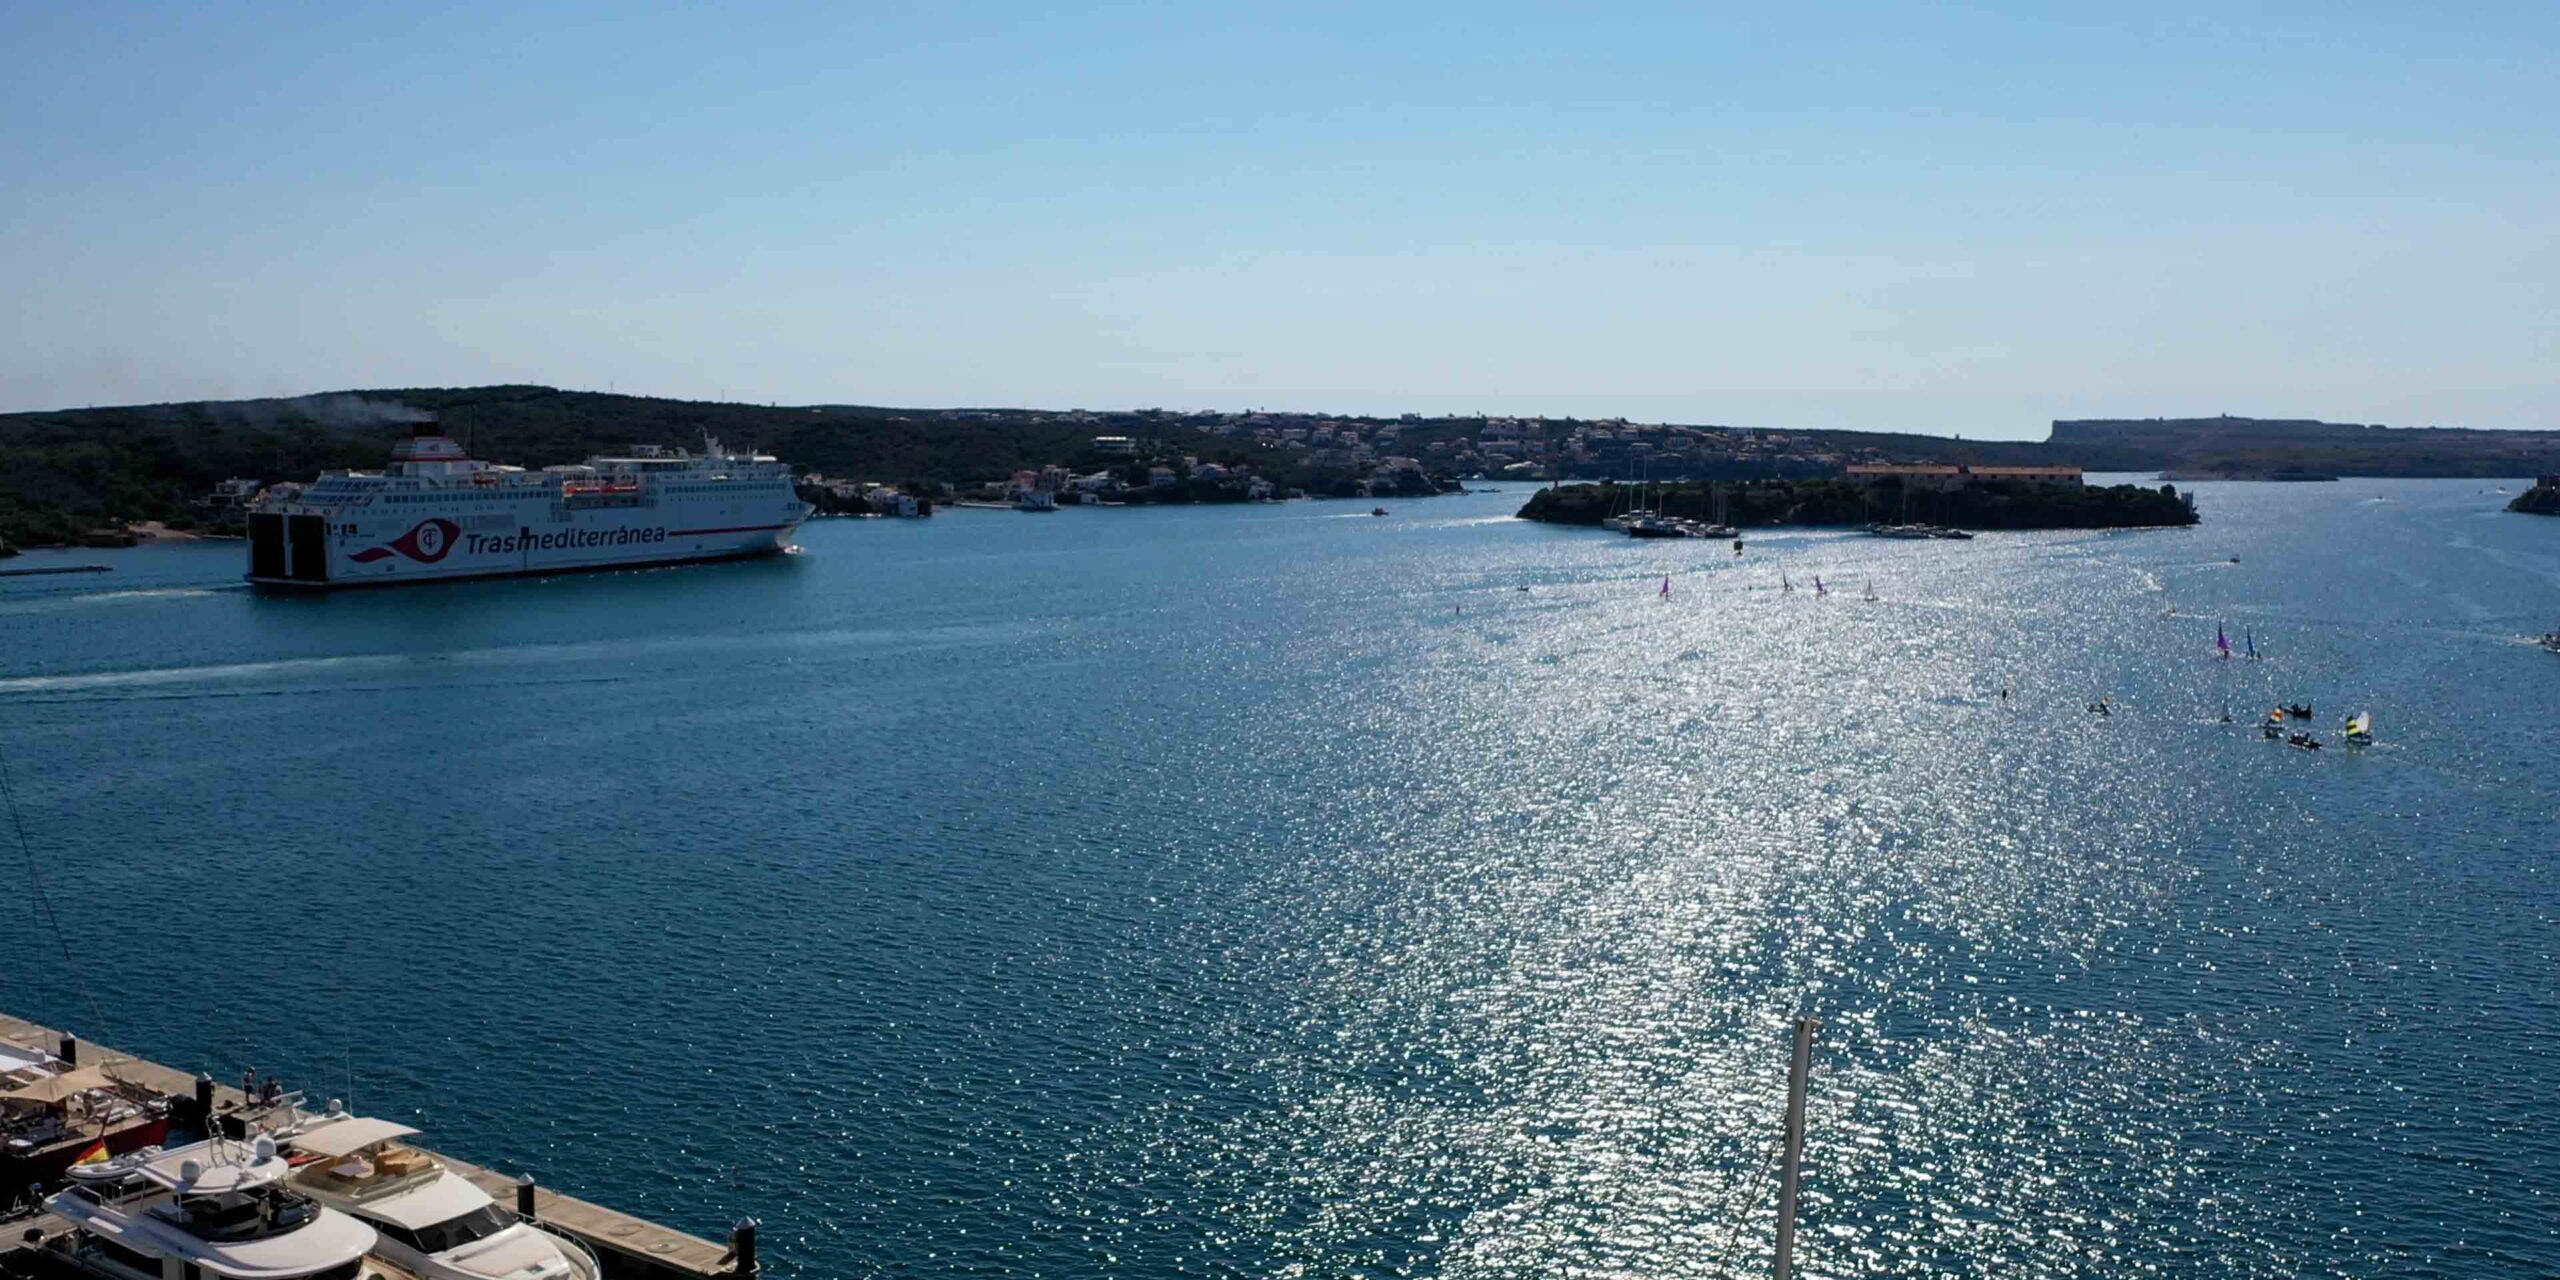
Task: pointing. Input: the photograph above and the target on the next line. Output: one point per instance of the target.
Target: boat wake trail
(75, 600)
(618, 656)
(186, 675)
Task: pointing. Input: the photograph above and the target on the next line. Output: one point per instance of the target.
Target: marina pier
(629, 1248)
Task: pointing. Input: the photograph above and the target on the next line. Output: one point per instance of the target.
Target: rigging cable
(35, 881)
(1738, 1212)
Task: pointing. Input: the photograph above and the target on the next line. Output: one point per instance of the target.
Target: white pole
(1791, 1168)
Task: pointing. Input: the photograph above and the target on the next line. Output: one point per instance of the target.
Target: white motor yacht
(431, 1220)
(221, 1210)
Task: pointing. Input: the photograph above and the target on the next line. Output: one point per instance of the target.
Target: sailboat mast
(1791, 1167)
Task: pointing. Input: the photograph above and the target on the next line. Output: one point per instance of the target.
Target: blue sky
(1969, 219)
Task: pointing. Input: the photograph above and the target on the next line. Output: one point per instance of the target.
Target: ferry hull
(285, 558)
(293, 586)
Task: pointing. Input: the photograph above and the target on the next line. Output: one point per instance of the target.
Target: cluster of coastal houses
(1541, 448)
(1055, 484)
(1517, 447)
(1387, 457)
(1945, 479)
(864, 496)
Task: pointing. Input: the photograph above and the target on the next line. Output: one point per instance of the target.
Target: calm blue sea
(1286, 891)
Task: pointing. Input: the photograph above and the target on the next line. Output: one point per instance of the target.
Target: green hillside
(61, 472)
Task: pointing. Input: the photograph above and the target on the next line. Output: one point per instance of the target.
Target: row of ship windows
(450, 498)
(730, 486)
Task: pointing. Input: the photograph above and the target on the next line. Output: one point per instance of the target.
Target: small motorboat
(2299, 710)
(2101, 707)
(1377, 511)
(2550, 641)
(2304, 741)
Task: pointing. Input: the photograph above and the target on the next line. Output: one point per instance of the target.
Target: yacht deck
(629, 1247)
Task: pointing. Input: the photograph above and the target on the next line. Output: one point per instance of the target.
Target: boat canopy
(16, 1058)
(448, 1197)
(24, 1063)
(348, 1136)
(61, 1088)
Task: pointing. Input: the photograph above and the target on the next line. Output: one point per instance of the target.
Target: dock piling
(524, 1196)
(70, 1050)
(742, 1248)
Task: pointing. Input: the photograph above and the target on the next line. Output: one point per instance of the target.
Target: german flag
(96, 1154)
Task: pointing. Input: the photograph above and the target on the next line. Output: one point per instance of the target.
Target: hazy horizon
(337, 393)
(1853, 218)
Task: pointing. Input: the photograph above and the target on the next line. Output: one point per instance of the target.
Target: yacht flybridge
(215, 1210)
(431, 1220)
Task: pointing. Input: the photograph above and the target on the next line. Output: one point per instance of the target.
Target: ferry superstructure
(437, 513)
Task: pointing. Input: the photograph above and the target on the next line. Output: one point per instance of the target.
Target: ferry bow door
(266, 545)
(310, 538)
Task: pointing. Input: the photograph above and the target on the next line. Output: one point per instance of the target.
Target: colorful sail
(1666, 586)
(1818, 588)
(2360, 725)
(2221, 641)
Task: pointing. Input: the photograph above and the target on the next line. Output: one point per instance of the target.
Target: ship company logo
(426, 543)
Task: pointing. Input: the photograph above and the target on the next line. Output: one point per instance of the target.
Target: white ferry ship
(437, 513)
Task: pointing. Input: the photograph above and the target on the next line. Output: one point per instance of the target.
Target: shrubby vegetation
(2540, 500)
(65, 472)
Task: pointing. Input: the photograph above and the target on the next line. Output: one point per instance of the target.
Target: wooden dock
(630, 1248)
